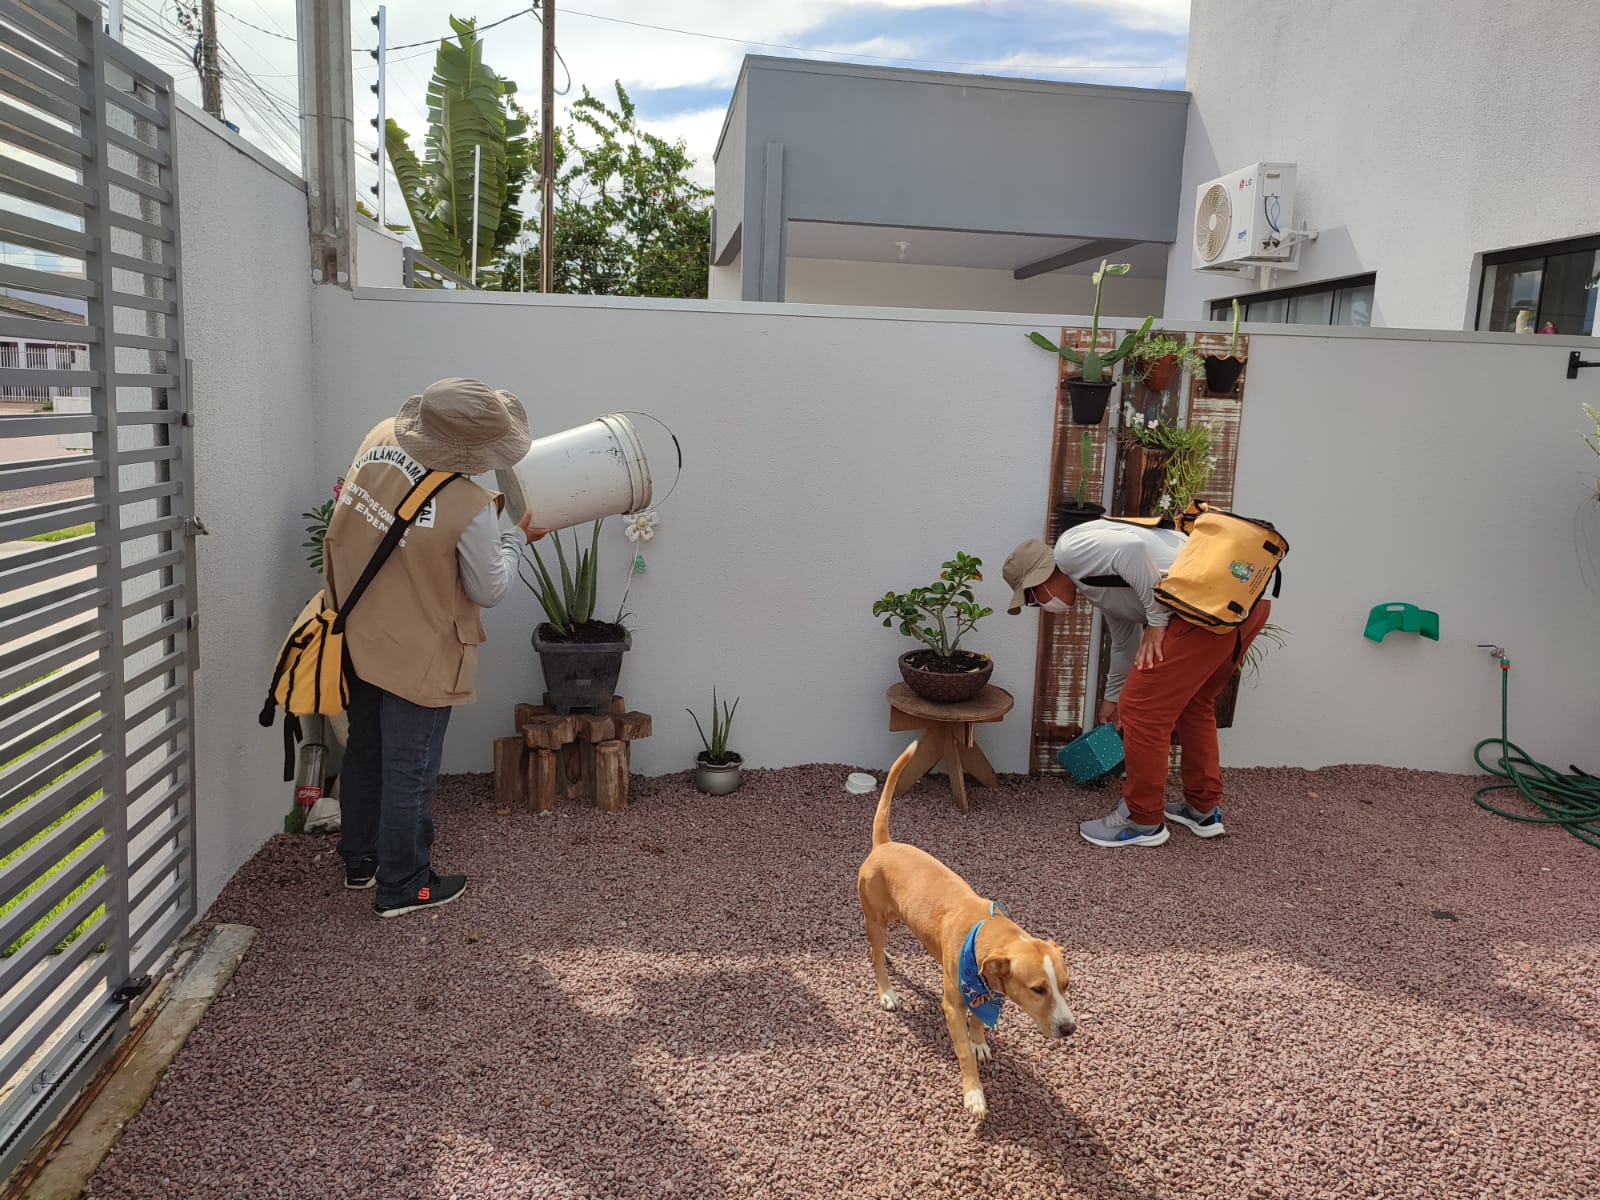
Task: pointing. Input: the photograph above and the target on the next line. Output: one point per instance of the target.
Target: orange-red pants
(1179, 694)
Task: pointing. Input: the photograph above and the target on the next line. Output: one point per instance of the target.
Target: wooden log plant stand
(582, 756)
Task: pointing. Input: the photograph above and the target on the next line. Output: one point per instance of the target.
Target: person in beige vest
(412, 644)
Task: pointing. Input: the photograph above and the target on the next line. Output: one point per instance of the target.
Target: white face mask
(1056, 606)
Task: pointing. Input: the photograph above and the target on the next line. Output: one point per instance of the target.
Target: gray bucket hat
(463, 425)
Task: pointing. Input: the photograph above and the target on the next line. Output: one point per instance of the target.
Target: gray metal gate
(97, 638)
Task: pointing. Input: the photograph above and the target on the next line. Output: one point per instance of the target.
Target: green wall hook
(1385, 619)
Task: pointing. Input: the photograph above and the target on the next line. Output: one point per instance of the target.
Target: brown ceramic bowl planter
(950, 680)
(1163, 373)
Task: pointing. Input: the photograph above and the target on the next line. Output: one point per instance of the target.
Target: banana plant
(469, 107)
(1091, 360)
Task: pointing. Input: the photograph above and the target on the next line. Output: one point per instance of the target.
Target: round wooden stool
(947, 735)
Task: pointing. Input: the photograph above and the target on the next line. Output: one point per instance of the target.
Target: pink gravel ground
(1370, 988)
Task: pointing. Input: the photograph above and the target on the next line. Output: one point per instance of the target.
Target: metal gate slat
(52, 764)
(152, 809)
(134, 146)
(31, 996)
(159, 772)
(26, 822)
(44, 102)
(48, 653)
(165, 666)
(25, 698)
(68, 707)
(32, 863)
(49, 424)
(17, 923)
(62, 41)
(50, 560)
(42, 618)
(125, 774)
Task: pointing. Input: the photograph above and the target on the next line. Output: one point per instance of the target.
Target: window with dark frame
(1330, 302)
(1548, 288)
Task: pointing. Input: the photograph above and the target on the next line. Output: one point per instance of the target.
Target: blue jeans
(386, 789)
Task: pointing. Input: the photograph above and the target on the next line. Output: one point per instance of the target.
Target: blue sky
(682, 81)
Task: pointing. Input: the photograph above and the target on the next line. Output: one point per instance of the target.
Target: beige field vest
(415, 633)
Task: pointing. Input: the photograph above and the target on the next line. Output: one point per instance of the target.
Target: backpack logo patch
(1242, 571)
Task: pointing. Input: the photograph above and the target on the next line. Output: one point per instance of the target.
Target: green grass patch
(62, 535)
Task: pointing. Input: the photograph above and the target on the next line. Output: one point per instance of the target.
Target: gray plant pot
(717, 781)
(580, 676)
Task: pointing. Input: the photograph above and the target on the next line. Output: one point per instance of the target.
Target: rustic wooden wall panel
(1062, 675)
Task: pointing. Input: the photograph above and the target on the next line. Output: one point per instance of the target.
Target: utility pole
(210, 69)
(547, 172)
(477, 206)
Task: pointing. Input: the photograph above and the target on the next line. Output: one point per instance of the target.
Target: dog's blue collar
(985, 1005)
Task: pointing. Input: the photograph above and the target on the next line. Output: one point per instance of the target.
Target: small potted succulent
(1091, 390)
(939, 616)
(1157, 361)
(1076, 513)
(1222, 371)
(716, 768)
(581, 656)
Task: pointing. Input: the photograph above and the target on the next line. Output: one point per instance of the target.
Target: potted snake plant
(1090, 390)
(716, 768)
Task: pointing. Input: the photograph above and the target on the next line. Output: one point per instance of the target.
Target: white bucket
(579, 475)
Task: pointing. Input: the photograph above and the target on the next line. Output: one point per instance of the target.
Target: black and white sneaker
(440, 889)
(360, 879)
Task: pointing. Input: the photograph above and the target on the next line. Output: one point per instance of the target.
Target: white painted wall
(247, 296)
(960, 289)
(834, 454)
(380, 256)
(726, 283)
(1411, 162)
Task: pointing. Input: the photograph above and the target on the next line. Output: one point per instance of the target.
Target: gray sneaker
(1116, 829)
(1206, 825)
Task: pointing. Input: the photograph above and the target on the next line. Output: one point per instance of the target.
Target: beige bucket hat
(463, 425)
(1029, 565)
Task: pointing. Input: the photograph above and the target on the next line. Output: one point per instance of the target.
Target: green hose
(1571, 801)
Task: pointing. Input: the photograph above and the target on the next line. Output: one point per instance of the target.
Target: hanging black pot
(1089, 400)
(1222, 375)
(1073, 513)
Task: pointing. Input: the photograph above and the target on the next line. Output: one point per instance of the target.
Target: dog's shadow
(1024, 1110)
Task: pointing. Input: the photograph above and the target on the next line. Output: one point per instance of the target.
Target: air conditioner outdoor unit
(1246, 219)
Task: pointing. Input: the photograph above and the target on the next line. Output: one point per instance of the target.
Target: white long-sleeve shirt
(487, 557)
(1141, 557)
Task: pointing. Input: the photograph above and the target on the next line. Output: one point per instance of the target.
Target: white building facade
(1445, 152)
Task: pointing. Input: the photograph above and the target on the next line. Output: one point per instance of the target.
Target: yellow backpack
(311, 677)
(1223, 569)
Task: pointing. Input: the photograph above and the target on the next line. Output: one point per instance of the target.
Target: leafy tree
(468, 106)
(629, 221)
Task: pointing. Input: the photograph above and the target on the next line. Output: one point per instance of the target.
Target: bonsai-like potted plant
(1079, 511)
(581, 656)
(939, 616)
(1222, 372)
(1157, 361)
(1091, 390)
(716, 768)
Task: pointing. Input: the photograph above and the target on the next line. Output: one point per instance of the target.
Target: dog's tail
(880, 822)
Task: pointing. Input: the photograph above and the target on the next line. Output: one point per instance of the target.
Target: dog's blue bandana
(985, 1005)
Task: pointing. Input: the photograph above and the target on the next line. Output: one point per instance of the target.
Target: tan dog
(901, 883)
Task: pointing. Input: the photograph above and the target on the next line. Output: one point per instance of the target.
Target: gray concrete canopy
(1086, 169)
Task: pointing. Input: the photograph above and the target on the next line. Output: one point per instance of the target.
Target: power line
(258, 28)
(521, 12)
(937, 62)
